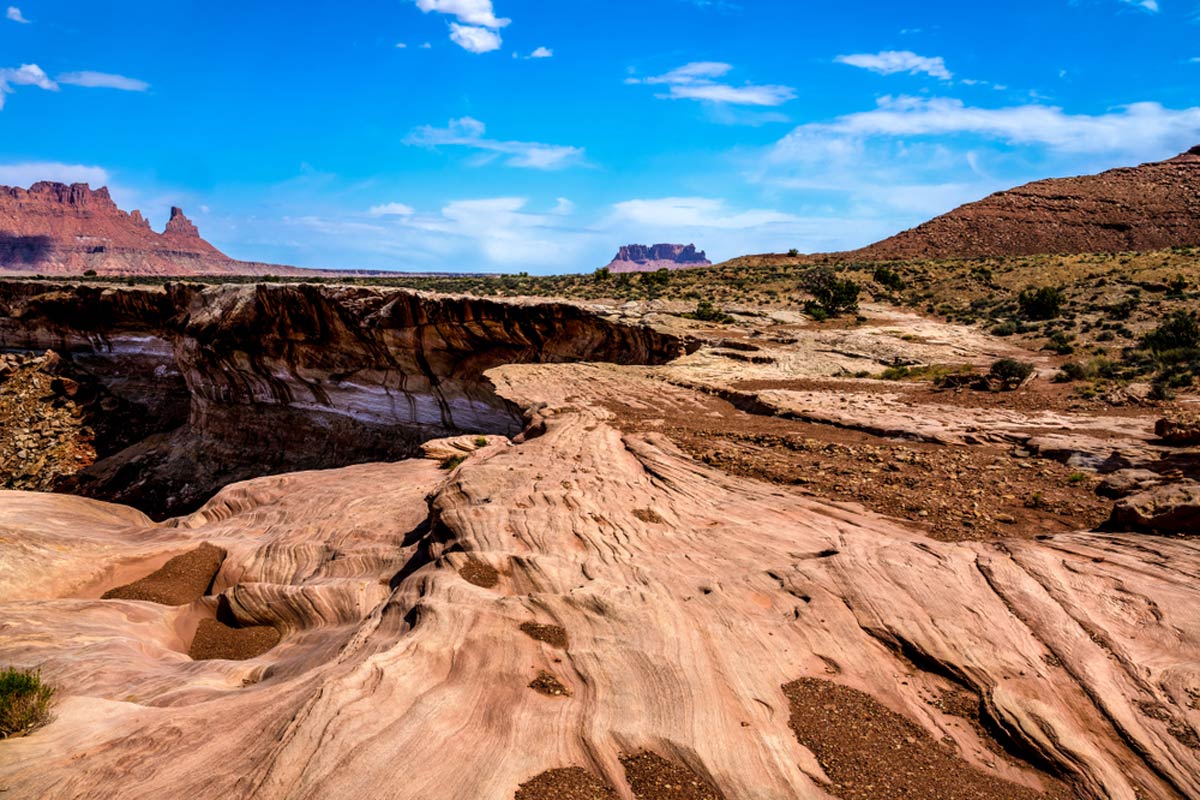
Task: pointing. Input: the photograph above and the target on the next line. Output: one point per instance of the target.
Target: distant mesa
(1149, 207)
(643, 258)
(59, 229)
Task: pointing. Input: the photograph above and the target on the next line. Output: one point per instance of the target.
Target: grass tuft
(24, 702)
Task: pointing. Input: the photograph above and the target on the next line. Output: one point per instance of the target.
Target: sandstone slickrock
(56, 229)
(1148, 207)
(643, 258)
(684, 629)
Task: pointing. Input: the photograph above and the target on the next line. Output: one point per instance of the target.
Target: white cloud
(475, 39)
(14, 14)
(542, 52)
(698, 81)
(468, 132)
(426, 46)
(392, 210)
(401, 45)
(1146, 5)
(1139, 127)
(890, 62)
(563, 207)
(479, 28)
(24, 75)
(27, 173)
(694, 212)
(471, 12)
(103, 80)
(28, 75)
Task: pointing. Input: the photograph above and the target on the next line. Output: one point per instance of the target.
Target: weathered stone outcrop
(642, 258)
(56, 229)
(688, 602)
(1148, 207)
(278, 377)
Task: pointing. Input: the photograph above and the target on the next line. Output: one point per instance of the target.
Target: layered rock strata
(274, 378)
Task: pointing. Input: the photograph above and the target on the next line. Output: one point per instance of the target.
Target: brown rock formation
(230, 382)
(640, 258)
(56, 229)
(1149, 207)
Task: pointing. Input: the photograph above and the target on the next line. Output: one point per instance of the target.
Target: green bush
(888, 278)
(452, 462)
(707, 312)
(24, 702)
(1040, 304)
(602, 274)
(1176, 338)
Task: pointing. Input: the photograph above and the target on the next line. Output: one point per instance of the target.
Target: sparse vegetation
(1010, 372)
(707, 312)
(25, 702)
(452, 462)
(481, 441)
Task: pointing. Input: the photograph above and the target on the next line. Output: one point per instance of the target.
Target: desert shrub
(1060, 343)
(1041, 303)
(1004, 329)
(602, 274)
(89, 273)
(452, 462)
(793, 252)
(24, 702)
(1176, 339)
(656, 279)
(897, 373)
(1011, 372)
(830, 293)
(707, 312)
(481, 441)
(888, 278)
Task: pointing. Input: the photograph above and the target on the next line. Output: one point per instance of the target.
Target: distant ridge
(1148, 207)
(640, 258)
(59, 229)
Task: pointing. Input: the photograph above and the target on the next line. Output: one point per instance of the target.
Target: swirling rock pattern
(687, 600)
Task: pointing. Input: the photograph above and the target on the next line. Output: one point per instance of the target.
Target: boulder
(1171, 508)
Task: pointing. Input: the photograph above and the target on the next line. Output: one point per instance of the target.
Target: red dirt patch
(953, 493)
(480, 574)
(872, 753)
(570, 783)
(215, 640)
(181, 580)
(652, 777)
(552, 635)
(547, 684)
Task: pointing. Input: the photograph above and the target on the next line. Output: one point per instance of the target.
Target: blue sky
(539, 135)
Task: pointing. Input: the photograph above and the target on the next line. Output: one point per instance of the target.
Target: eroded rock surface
(690, 599)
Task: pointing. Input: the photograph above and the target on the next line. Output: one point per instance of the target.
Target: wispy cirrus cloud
(477, 29)
(891, 62)
(103, 80)
(471, 133)
(1150, 6)
(700, 80)
(13, 14)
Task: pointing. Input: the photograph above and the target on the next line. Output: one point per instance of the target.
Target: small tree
(1010, 372)
(1179, 335)
(601, 275)
(831, 295)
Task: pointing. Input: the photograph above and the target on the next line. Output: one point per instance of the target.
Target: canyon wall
(225, 383)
